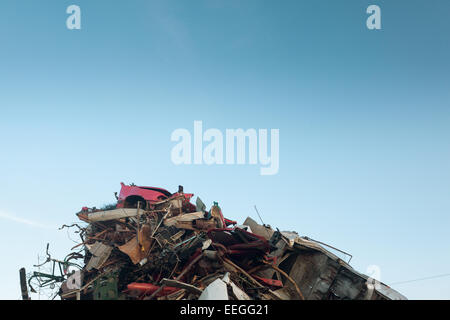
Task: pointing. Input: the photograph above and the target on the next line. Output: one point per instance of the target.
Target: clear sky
(363, 118)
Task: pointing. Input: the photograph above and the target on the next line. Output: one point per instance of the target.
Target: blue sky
(363, 118)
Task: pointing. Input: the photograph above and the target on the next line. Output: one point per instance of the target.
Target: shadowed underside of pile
(321, 275)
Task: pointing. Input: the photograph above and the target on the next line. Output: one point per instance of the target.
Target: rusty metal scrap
(167, 248)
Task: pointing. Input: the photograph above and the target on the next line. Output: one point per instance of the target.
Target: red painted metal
(151, 194)
(148, 288)
(235, 245)
(269, 282)
(229, 222)
(147, 193)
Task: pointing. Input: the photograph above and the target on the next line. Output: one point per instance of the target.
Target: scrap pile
(156, 245)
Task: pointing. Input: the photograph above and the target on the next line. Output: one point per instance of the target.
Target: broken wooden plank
(187, 217)
(112, 214)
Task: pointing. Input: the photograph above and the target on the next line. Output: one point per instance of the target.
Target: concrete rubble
(153, 244)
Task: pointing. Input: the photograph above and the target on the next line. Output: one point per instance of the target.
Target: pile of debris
(154, 244)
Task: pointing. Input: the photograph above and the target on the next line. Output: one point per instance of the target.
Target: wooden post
(23, 284)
